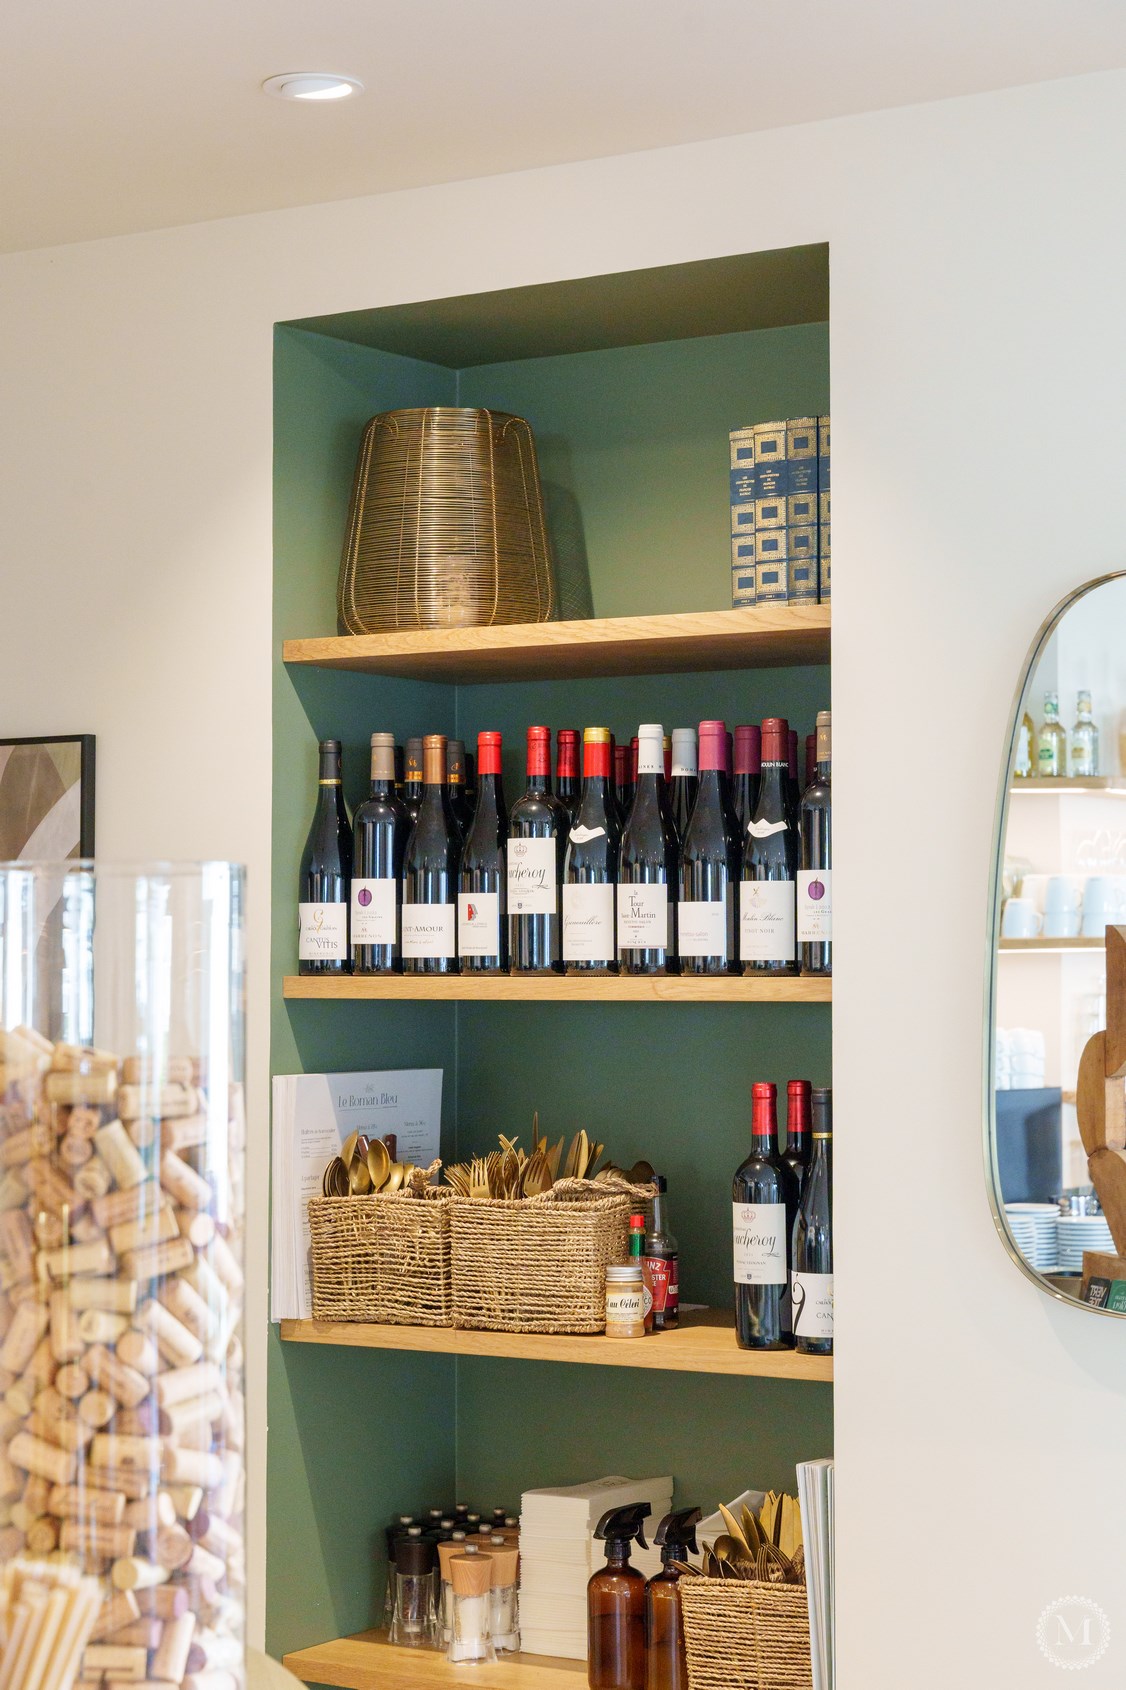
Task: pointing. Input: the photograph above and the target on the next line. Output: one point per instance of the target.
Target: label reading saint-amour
(429, 930)
(766, 921)
(588, 923)
(373, 912)
(644, 917)
(815, 905)
(531, 877)
(811, 1302)
(759, 1233)
(322, 932)
(478, 923)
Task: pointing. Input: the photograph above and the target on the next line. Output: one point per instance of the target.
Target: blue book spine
(770, 460)
(801, 456)
(743, 517)
(744, 553)
(773, 578)
(743, 589)
(801, 565)
(742, 478)
(824, 552)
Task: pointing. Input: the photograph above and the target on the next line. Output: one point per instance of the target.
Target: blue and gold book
(801, 565)
(743, 590)
(801, 455)
(743, 518)
(824, 552)
(773, 580)
(770, 460)
(744, 550)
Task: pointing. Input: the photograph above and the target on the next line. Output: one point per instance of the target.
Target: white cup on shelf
(1101, 905)
(1061, 924)
(1020, 920)
(1061, 895)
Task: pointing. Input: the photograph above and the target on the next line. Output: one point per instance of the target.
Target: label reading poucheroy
(531, 877)
(478, 923)
(373, 912)
(815, 905)
(588, 923)
(644, 917)
(322, 932)
(766, 921)
(429, 930)
(703, 928)
(759, 1231)
(811, 1298)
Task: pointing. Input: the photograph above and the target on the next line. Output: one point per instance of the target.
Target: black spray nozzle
(622, 1525)
(677, 1532)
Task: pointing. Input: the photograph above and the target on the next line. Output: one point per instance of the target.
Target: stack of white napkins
(558, 1553)
(815, 1493)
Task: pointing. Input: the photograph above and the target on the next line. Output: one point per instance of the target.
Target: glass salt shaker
(471, 1576)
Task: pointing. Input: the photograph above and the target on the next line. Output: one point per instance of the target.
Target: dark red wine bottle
(811, 1276)
(815, 877)
(793, 787)
(412, 780)
(455, 779)
(430, 867)
(623, 780)
(648, 869)
(537, 838)
(326, 870)
(482, 925)
(748, 771)
(771, 852)
(710, 868)
(764, 1197)
(810, 760)
(567, 782)
(684, 777)
(379, 837)
(590, 866)
(796, 1152)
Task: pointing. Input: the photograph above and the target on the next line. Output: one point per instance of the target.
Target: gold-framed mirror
(1055, 1094)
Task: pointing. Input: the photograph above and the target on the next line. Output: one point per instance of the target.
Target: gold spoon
(395, 1176)
(348, 1149)
(359, 1180)
(379, 1163)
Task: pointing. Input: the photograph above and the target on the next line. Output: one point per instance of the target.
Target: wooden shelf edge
(366, 1661)
(1043, 944)
(704, 1343)
(560, 988)
(1112, 784)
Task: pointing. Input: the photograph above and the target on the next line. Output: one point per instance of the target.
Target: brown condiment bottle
(616, 1605)
(666, 1661)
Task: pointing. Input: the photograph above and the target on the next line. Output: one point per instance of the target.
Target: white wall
(979, 358)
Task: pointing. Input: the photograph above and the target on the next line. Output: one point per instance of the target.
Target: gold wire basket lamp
(446, 524)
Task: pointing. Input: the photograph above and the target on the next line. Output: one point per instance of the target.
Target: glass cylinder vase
(122, 1181)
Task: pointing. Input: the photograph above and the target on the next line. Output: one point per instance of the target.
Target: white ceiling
(119, 115)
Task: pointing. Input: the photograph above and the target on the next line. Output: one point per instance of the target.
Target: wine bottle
(623, 780)
(567, 783)
(815, 877)
(748, 772)
(326, 867)
(537, 838)
(590, 866)
(811, 1278)
(482, 928)
(648, 867)
(685, 777)
(660, 1262)
(796, 1152)
(710, 867)
(771, 853)
(412, 783)
(810, 760)
(455, 779)
(470, 781)
(666, 757)
(379, 838)
(430, 866)
(793, 788)
(764, 1197)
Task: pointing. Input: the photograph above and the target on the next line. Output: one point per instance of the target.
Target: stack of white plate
(1033, 1226)
(1076, 1233)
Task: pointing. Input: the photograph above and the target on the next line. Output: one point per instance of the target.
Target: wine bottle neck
(539, 782)
(382, 788)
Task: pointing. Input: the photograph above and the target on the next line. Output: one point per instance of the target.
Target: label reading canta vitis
(759, 1232)
(766, 921)
(644, 917)
(429, 930)
(322, 932)
(811, 1299)
(373, 912)
(532, 888)
(815, 906)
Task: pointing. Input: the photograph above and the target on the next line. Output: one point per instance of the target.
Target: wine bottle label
(763, 830)
(766, 921)
(760, 1243)
(588, 923)
(581, 834)
(322, 932)
(644, 918)
(811, 1299)
(532, 888)
(815, 905)
(429, 930)
(373, 912)
(478, 924)
(703, 928)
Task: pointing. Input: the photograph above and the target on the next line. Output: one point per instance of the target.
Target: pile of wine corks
(121, 1292)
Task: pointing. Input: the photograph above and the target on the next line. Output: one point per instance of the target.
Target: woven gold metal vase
(446, 525)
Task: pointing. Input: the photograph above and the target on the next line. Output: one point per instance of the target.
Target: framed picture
(47, 798)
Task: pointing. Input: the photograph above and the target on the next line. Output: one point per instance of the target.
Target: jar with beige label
(625, 1306)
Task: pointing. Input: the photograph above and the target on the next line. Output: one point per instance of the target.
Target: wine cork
(155, 1261)
(132, 1573)
(83, 1122)
(49, 1231)
(177, 1343)
(75, 1152)
(78, 1502)
(133, 1483)
(182, 1383)
(82, 1059)
(84, 1229)
(153, 1228)
(28, 1325)
(188, 1467)
(222, 1539)
(106, 1370)
(143, 1131)
(174, 1070)
(48, 1187)
(221, 1259)
(167, 1601)
(186, 1422)
(142, 1455)
(47, 1460)
(16, 1242)
(116, 1611)
(9, 1479)
(120, 1155)
(22, 1146)
(108, 1660)
(66, 1333)
(184, 1301)
(151, 1513)
(42, 1536)
(227, 1497)
(72, 1381)
(72, 1260)
(97, 1326)
(197, 1226)
(117, 1296)
(138, 1351)
(187, 1500)
(140, 1422)
(93, 1180)
(97, 1409)
(96, 1087)
(91, 1537)
(174, 1548)
(182, 1182)
(129, 1205)
(170, 1660)
(142, 1634)
(159, 1102)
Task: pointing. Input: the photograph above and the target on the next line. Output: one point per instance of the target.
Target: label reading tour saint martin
(811, 1299)
(766, 921)
(644, 917)
(531, 877)
(373, 912)
(428, 930)
(588, 923)
(815, 905)
(322, 932)
(759, 1232)
(478, 923)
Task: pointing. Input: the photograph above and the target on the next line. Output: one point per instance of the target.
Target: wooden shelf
(560, 988)
(703, 1343)
(1111, 784)
(767, 636)
(367, 1662)
(1042, 944)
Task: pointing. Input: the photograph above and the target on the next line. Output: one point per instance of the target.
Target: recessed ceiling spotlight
(312, 85)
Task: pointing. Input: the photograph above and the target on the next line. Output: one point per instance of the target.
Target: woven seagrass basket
(746, 1635)
(383, 1258)
(538, 1264)
(446, 525)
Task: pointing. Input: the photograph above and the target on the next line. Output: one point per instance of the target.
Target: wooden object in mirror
(1101, 1095)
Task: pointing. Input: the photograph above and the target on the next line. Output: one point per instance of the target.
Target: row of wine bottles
(782, 1218)
(704, 871)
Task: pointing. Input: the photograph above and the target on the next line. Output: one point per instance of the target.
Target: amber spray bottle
(666, 1665)
(616, 1605)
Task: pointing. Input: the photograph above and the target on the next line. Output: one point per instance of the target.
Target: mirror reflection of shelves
(1046, 947)
(1069, 786)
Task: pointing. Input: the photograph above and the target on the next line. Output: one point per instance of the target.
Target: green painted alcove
(633, 444)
